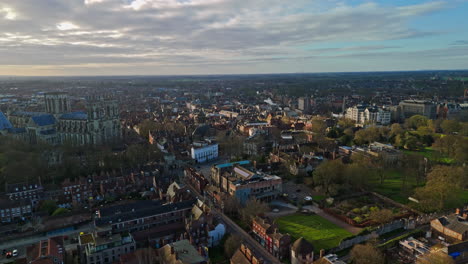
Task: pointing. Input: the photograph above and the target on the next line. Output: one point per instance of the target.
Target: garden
(366, 210)
(315, 229)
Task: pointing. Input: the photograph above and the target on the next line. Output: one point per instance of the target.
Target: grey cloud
(200, 31)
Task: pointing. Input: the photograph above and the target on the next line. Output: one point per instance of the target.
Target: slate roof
(186, 253)
(138, 205)
(4, 123)
(116, 214)
(454, 223)
(18, 130)
(26, 113)
(43, 120)
(302, 246)
(75, 116)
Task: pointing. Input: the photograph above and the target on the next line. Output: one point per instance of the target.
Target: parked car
(14, 253)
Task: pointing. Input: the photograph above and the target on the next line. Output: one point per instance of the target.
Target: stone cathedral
(100, 124)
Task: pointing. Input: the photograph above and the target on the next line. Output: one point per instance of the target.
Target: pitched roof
(75, 116)
(139, 211)
(454, 223)
(184, 253)
(302, 246)
(43, 120)
(239, 258)
(4, 123)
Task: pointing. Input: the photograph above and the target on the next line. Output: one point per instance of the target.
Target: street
(247, 239)
(22, 243)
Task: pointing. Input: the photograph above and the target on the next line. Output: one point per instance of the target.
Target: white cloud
(66, 26)
(8, 13)
(90, 2)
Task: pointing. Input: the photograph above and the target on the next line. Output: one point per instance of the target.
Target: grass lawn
(428, 153)
(315, 229)
(464, 196)
(392, 186)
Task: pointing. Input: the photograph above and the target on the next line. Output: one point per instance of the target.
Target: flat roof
(231, 164)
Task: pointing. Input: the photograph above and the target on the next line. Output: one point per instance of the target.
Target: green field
(429, 153)
(392, 186)
(315, 229)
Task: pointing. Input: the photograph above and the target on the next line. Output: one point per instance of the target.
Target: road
(22, 243)
(247, 239)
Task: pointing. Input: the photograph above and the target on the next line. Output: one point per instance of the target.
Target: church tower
(57, 103)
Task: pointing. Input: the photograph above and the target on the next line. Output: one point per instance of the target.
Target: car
(276, 210)
(14, 253)
(308, 198)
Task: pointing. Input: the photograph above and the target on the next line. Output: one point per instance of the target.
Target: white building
(216, 235)
(204, 151)
(369, 115)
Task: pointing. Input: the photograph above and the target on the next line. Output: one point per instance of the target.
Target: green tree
(329, 176)
(416, 121)
(450, 126)
(443, 188)
(48, 206)
(60, 211)
(367, 135)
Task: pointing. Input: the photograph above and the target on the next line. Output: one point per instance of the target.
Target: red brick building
(266, 233)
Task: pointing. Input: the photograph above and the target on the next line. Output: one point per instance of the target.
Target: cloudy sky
(141, 37)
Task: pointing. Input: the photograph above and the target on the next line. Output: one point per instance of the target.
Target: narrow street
(247, 239)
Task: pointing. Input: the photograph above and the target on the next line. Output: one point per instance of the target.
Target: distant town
(241, 169)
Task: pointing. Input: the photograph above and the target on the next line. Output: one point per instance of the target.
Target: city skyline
(156, 37)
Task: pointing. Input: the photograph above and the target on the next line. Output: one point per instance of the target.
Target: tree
(147, 126)
(318, 126)
(366, 254)
(328, 175)
(60, 211)
(443, 188)
(253, 207)
(396, 129)
(231, 244)
(136, 155)
(435, 258)
(381, 216)
(231, 205)
(450, 126)
(48, 206)
(345, 123)
(416, 121)
(368, 135)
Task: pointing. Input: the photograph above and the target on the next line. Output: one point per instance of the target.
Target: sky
(166, 37)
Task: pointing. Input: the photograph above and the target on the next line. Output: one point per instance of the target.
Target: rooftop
(183, 251)
(75, 116)
(227, 165)
(140, 209)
